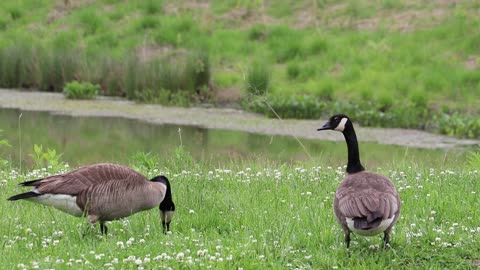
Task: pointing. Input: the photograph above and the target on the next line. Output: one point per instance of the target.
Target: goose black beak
(325, 126)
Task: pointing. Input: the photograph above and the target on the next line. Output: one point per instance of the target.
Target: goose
(102, 192)
(365, 203)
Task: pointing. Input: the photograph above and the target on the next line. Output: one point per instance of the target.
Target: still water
(85, 140)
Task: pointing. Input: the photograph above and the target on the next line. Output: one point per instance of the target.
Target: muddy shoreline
(216, 118)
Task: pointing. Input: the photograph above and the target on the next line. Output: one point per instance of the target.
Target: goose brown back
(102, 192)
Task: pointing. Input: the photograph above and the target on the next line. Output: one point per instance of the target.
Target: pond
(85, 140)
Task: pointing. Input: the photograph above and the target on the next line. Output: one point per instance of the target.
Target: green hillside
(305, 58)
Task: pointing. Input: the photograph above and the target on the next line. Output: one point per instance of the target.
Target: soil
(216, 118)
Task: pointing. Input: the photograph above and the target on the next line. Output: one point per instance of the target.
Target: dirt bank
(217, 118)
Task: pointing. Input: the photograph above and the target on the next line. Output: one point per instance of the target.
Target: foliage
(258, 78)
(49, 159)
(474, 161)
(365, 113)
(459, 125)
(145, 161)
(81, 90)
(235, 216)
(3, 143)
(428, 65)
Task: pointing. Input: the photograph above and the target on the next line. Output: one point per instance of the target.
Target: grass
(252, 216)
(398, 56)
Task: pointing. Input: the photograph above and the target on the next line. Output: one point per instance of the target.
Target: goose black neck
(167, 203)
(353, 164)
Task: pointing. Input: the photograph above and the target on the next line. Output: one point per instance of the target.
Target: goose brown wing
(371, 205)
(367, 194)
(118, 198)
(75, 181)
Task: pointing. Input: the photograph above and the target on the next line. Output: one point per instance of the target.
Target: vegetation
(77, 90)
(250, 216)
(399, 56)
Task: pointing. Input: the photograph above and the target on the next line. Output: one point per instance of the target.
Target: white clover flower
(180, 256)
(138, 261)
(202, 252)
(191, 211)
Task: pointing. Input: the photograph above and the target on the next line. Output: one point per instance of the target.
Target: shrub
(257, 32)
(164, 97)
(258, 78)
(293, 70)
(77, 90)
(151, 7)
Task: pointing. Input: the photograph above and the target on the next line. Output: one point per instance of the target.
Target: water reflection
(85, 140)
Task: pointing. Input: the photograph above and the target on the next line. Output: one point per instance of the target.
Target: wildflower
(180, 256)
(191, 211)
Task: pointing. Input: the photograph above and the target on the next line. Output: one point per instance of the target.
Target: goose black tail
(32, 183)
(25, 195)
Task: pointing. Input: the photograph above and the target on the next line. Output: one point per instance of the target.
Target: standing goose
(365, 203)
(102, 192)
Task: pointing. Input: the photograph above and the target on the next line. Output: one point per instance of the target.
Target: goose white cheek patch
(341, 125)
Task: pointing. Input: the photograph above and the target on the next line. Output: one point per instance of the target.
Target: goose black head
(337, 122)
(167, 207)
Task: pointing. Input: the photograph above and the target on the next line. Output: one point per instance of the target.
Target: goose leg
(103, 228)
(347, 236)
(166, 226)
(386, 239)
(347, 239)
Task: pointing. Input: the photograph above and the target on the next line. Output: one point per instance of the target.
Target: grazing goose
(365, 203)
(102, 192)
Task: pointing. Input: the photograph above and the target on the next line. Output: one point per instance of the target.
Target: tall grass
(351, 50)
(251, 216)
(258, 78)
(49, 69)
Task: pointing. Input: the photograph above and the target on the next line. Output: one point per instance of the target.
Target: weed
(257, 32)
(152, 7)
(293, 70)
(81, 90)
(49, 159)
(91, 22)
(258, 78)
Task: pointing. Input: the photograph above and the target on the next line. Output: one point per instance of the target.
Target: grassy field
(246, 216)
(388, 54)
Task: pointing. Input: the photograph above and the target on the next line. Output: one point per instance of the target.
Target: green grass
(389, 53)
(252, 216)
